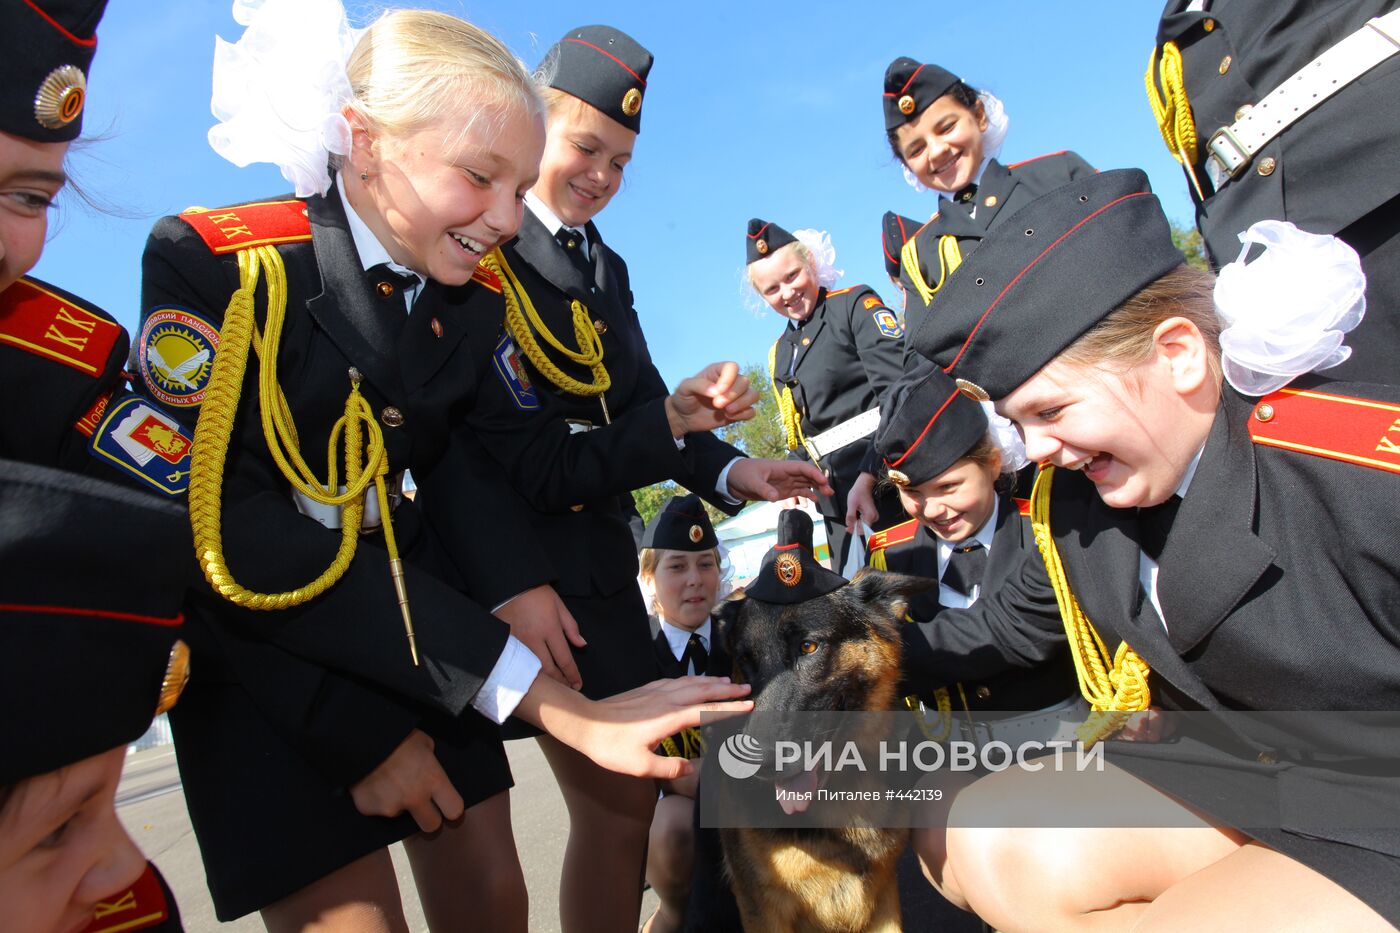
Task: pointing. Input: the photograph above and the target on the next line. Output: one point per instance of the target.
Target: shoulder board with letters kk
(143, 906)
(243, 226)
(1338, 427)
(898, 534)
(144, 442)
(40, 319)
(1023, 507)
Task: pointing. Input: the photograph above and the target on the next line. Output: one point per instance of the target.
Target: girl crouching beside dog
(1186, 557)
(681, 566)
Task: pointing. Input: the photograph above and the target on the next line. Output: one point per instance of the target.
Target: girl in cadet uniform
(349, 693)
(570, 351)
(836, 358)
(1177, 519)
(681, 566)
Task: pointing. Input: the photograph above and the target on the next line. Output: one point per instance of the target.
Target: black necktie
(695, 651)
(966, 565)
(574, 245)
(966, 194)
(1154, 524)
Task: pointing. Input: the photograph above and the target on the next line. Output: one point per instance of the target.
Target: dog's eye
(807, 647)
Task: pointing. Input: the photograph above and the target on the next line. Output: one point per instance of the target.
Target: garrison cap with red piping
(910, 87)
(46, 49)
(603, 67)
(791, 573)
(894, 233)
(682, 525)
(764, 238)
(1043, 277)
(927, 425)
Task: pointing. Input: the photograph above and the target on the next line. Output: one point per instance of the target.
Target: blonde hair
(557, 102)
(413, 66)
(1124, 338)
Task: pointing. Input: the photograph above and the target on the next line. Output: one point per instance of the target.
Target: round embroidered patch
(177, 350)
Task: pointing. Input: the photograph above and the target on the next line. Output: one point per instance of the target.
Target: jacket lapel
(670, 666)
(997, 184)
(608, 301)
(806, 335)
(344, 309)
(1008, 545)
(424, 346)
(537, 246)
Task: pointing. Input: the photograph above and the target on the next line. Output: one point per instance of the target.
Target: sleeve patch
(510, 369)
(39, 321)
(888, 323)
(177, 349)
(1338, 427)
(266, 223)
(143, 441)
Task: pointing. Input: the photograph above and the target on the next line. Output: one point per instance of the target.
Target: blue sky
(752, 109)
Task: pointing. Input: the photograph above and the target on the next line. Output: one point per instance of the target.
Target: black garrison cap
(604, 67)
(46, 48)
(682, 525)
(764, 239)
(895, 232)
(790, 573)
(928, 425)
(910, 87)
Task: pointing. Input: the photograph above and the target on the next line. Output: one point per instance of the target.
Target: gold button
(983, 692)
(991, 200)
(1264, 412)
(391, 416)
(601, 326)
(1244, 109)
(806, 340)
(385, 289)
(1225, 64)
(436, 325)
(576, 508)
(1267, 166)
(1209, 25)
(1268, 758)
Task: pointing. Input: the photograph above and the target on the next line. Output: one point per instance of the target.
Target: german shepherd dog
(837, 652)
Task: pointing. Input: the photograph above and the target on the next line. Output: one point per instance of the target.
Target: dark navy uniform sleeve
(878, 339)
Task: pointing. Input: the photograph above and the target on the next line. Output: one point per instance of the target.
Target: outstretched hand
(716, 396)
(772, 480)
(860, 503)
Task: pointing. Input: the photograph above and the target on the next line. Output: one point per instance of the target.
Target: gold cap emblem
(788, 568)
(906, 104)
(632, 102)
(177, 674)
(898, 477)
(696, 533)
(762, 247)
(972, 390)
(60, 98)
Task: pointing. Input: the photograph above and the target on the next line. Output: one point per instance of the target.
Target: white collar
(983, 537)
(677, 637)
(551, 220)
(1190, 473)
(371, 252)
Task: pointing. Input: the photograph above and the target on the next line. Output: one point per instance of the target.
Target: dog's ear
(889, 591)
(726, 614)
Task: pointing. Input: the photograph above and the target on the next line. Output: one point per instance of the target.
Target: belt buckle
(1231, 155)
(814, 452)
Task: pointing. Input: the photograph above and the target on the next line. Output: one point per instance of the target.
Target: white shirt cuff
(722, 484)
(509, 681)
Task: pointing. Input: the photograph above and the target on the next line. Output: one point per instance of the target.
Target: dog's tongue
(795, 794)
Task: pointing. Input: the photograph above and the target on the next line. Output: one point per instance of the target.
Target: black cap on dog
(928, 425)
(764, 239)
(682, 525)
(46, 48)
(604, 67)
(895, 232)
(89, 656)
(1045, 276)
(790, 573)
(910, 87)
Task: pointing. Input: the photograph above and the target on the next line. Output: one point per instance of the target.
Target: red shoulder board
(1339, 427)
(264, 223)
(1023, 506)
(46, 323)
(841, 291)
(898, 534)
(139, 907)
(1047, 155)
(487, 278)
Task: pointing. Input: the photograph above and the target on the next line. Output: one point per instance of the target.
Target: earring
(364, 176)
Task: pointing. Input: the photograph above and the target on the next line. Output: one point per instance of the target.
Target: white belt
(1231, 148)
(330, 515)
(844, 434)
(1054, 723)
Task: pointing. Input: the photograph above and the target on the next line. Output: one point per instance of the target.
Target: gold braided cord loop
(214, 430)
(1113, 690)
(1171, 108)
(691, 745)
(523, 322)
(787, 408)
(949, 258)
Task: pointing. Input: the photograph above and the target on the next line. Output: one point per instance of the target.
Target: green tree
(1189, 241)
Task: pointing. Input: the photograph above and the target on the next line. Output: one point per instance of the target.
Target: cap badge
(973, 391)
(696, 533)
(762, 247)
(60, 98)
(177, 674)
(788, 567)
(906, 104)
(898, 477)
(632, 102)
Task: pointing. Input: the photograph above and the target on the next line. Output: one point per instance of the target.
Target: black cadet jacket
(1002, 191)
(718, 663)
(910, 548)
(580, 515)
(839, 363)
(303, 665)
